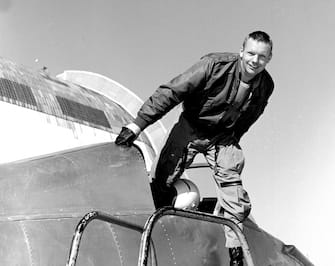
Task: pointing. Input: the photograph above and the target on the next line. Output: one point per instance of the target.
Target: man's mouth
(253, 68)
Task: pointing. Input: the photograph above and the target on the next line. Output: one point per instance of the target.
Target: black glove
(126, 137)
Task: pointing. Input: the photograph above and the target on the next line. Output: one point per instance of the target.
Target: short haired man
(223, 94)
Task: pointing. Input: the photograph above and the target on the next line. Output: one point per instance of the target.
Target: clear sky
(290, 166)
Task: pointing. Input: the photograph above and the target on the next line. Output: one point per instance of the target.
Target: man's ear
(241, 52)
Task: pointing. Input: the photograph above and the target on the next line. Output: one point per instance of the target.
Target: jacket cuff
(141, 123)
(134, 128)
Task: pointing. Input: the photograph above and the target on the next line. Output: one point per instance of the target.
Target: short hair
(259, 36)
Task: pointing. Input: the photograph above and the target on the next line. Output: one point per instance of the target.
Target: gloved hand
(126, 137)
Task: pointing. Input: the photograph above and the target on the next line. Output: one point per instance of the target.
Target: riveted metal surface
(42, 200)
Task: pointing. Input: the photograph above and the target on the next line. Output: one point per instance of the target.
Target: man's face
(254, 57)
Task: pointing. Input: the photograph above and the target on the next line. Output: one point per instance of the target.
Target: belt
(230, 184)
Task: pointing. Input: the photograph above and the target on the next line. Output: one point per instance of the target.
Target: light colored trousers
(225, 158)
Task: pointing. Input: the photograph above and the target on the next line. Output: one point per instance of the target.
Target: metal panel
(188, 242)
(43, 199)
(17, 92)
(83, 112)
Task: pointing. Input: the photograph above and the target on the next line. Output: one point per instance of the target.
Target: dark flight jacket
(207, 90)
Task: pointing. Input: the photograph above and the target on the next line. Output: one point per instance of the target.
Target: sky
(289, 172)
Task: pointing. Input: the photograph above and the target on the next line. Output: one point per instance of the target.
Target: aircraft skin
(59, 162)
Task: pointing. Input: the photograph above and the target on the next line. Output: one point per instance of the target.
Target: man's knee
(162, 194)
(235, 203)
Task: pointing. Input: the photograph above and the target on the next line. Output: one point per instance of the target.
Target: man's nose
(255, 58)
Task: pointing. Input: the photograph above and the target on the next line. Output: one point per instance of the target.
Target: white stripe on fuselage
(26, 133)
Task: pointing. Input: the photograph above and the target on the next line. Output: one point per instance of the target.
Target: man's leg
(227, 162)
(170, 164)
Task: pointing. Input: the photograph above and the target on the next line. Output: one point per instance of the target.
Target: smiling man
(255, 54)
(223, 95)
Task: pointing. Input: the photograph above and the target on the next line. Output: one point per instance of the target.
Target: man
(223, 95)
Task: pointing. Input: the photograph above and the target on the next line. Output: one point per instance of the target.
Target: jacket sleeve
(253, 113)
(171, 94)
